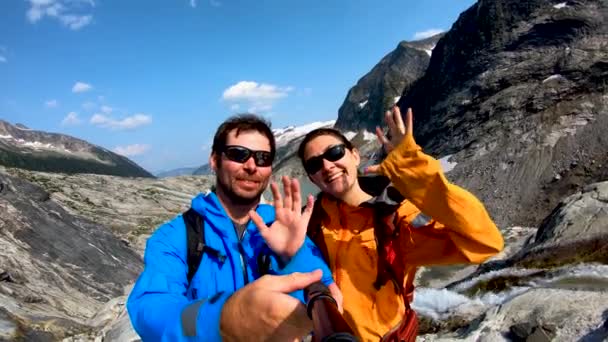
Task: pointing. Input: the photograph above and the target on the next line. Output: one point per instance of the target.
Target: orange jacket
(460, 231)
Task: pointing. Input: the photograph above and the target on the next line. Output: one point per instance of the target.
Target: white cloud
(427, 33)
(252, 91)
(67, 12)
(89, 105)
(76, 22)
(132, 150)
(71, 119)
(130, 122)
(258, 97)
(193, 3)
(106, 109)
(81, 87)
(51, 103)
(235, 107)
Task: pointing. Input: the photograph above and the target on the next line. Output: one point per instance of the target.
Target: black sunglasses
(241, 154)
(332, 154)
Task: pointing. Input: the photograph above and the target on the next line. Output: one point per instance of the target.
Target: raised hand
(398, 131)
(288, 232)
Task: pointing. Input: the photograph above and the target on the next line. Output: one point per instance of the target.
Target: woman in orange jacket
(436, 222)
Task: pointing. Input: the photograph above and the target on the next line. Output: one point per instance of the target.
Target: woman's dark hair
(242, 123)
(320, 132)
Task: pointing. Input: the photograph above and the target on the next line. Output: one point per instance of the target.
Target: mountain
(202, 170)
(183, 171)
(381, 88)
(516, 94)
(36, 150)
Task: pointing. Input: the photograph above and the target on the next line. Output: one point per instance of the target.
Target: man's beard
(235, 198)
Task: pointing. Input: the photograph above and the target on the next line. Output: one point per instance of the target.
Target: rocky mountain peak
(381, 88)
(43, 151)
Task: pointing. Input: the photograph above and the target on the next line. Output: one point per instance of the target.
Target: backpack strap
(195, 232)
(315, 229)
(391, 266)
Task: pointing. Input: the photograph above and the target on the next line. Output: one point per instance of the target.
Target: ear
(213, 161)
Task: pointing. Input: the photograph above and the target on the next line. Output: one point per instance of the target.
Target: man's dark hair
(242, 123)
(320, 132)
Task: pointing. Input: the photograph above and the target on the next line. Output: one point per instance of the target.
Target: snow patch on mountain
(285, 135)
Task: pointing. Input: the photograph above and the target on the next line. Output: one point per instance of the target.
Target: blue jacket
(163, 306)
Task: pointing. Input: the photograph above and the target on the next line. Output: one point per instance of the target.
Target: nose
(327, 165)
(249, 164)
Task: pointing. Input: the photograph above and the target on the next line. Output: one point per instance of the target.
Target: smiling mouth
(248, 181)
(334, 176)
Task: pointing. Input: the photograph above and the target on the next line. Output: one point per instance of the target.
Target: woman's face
(331, 170)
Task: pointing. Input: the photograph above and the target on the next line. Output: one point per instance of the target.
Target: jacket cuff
(201, 319)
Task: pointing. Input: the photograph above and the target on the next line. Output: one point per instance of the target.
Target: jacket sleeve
(158, 306)
(307, 259)
(454, 226)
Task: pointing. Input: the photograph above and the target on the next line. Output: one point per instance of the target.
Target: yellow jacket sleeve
(460, 229)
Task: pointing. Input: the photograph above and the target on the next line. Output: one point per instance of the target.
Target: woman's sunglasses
(332, 154)
(241, 154)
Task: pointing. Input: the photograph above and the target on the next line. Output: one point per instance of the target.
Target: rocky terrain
(71, 246)
(129, 207)
(41, 151)
(552, 288)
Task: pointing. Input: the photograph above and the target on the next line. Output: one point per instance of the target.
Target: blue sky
(153, 79)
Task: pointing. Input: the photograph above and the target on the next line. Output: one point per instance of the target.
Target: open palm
(288, 232)
(398, 130)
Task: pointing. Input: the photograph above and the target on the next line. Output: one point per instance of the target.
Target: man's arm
(158, 306)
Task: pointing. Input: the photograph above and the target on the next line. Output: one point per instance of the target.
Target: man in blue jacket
(226, 297)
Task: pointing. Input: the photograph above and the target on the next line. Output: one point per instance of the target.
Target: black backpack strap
(195, 232)
(315, 229)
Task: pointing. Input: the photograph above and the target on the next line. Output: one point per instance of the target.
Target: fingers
(310, 203)
(259, 223)
(276, 195)
(381, 137)
(390, 121)
(337, 294)
(291, 282)
(409, 120)
(372, 169)
(297, 195)
(288, 200)
(398, 120)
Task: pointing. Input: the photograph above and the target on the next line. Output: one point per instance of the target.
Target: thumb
(292, 282)
(372, 169)
(259, 223)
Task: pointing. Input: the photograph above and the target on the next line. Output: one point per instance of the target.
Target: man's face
(242, 183)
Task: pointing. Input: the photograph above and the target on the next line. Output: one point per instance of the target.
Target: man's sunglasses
(242, 154)
(332, 154)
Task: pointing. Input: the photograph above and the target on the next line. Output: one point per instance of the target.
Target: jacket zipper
(241, 253)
